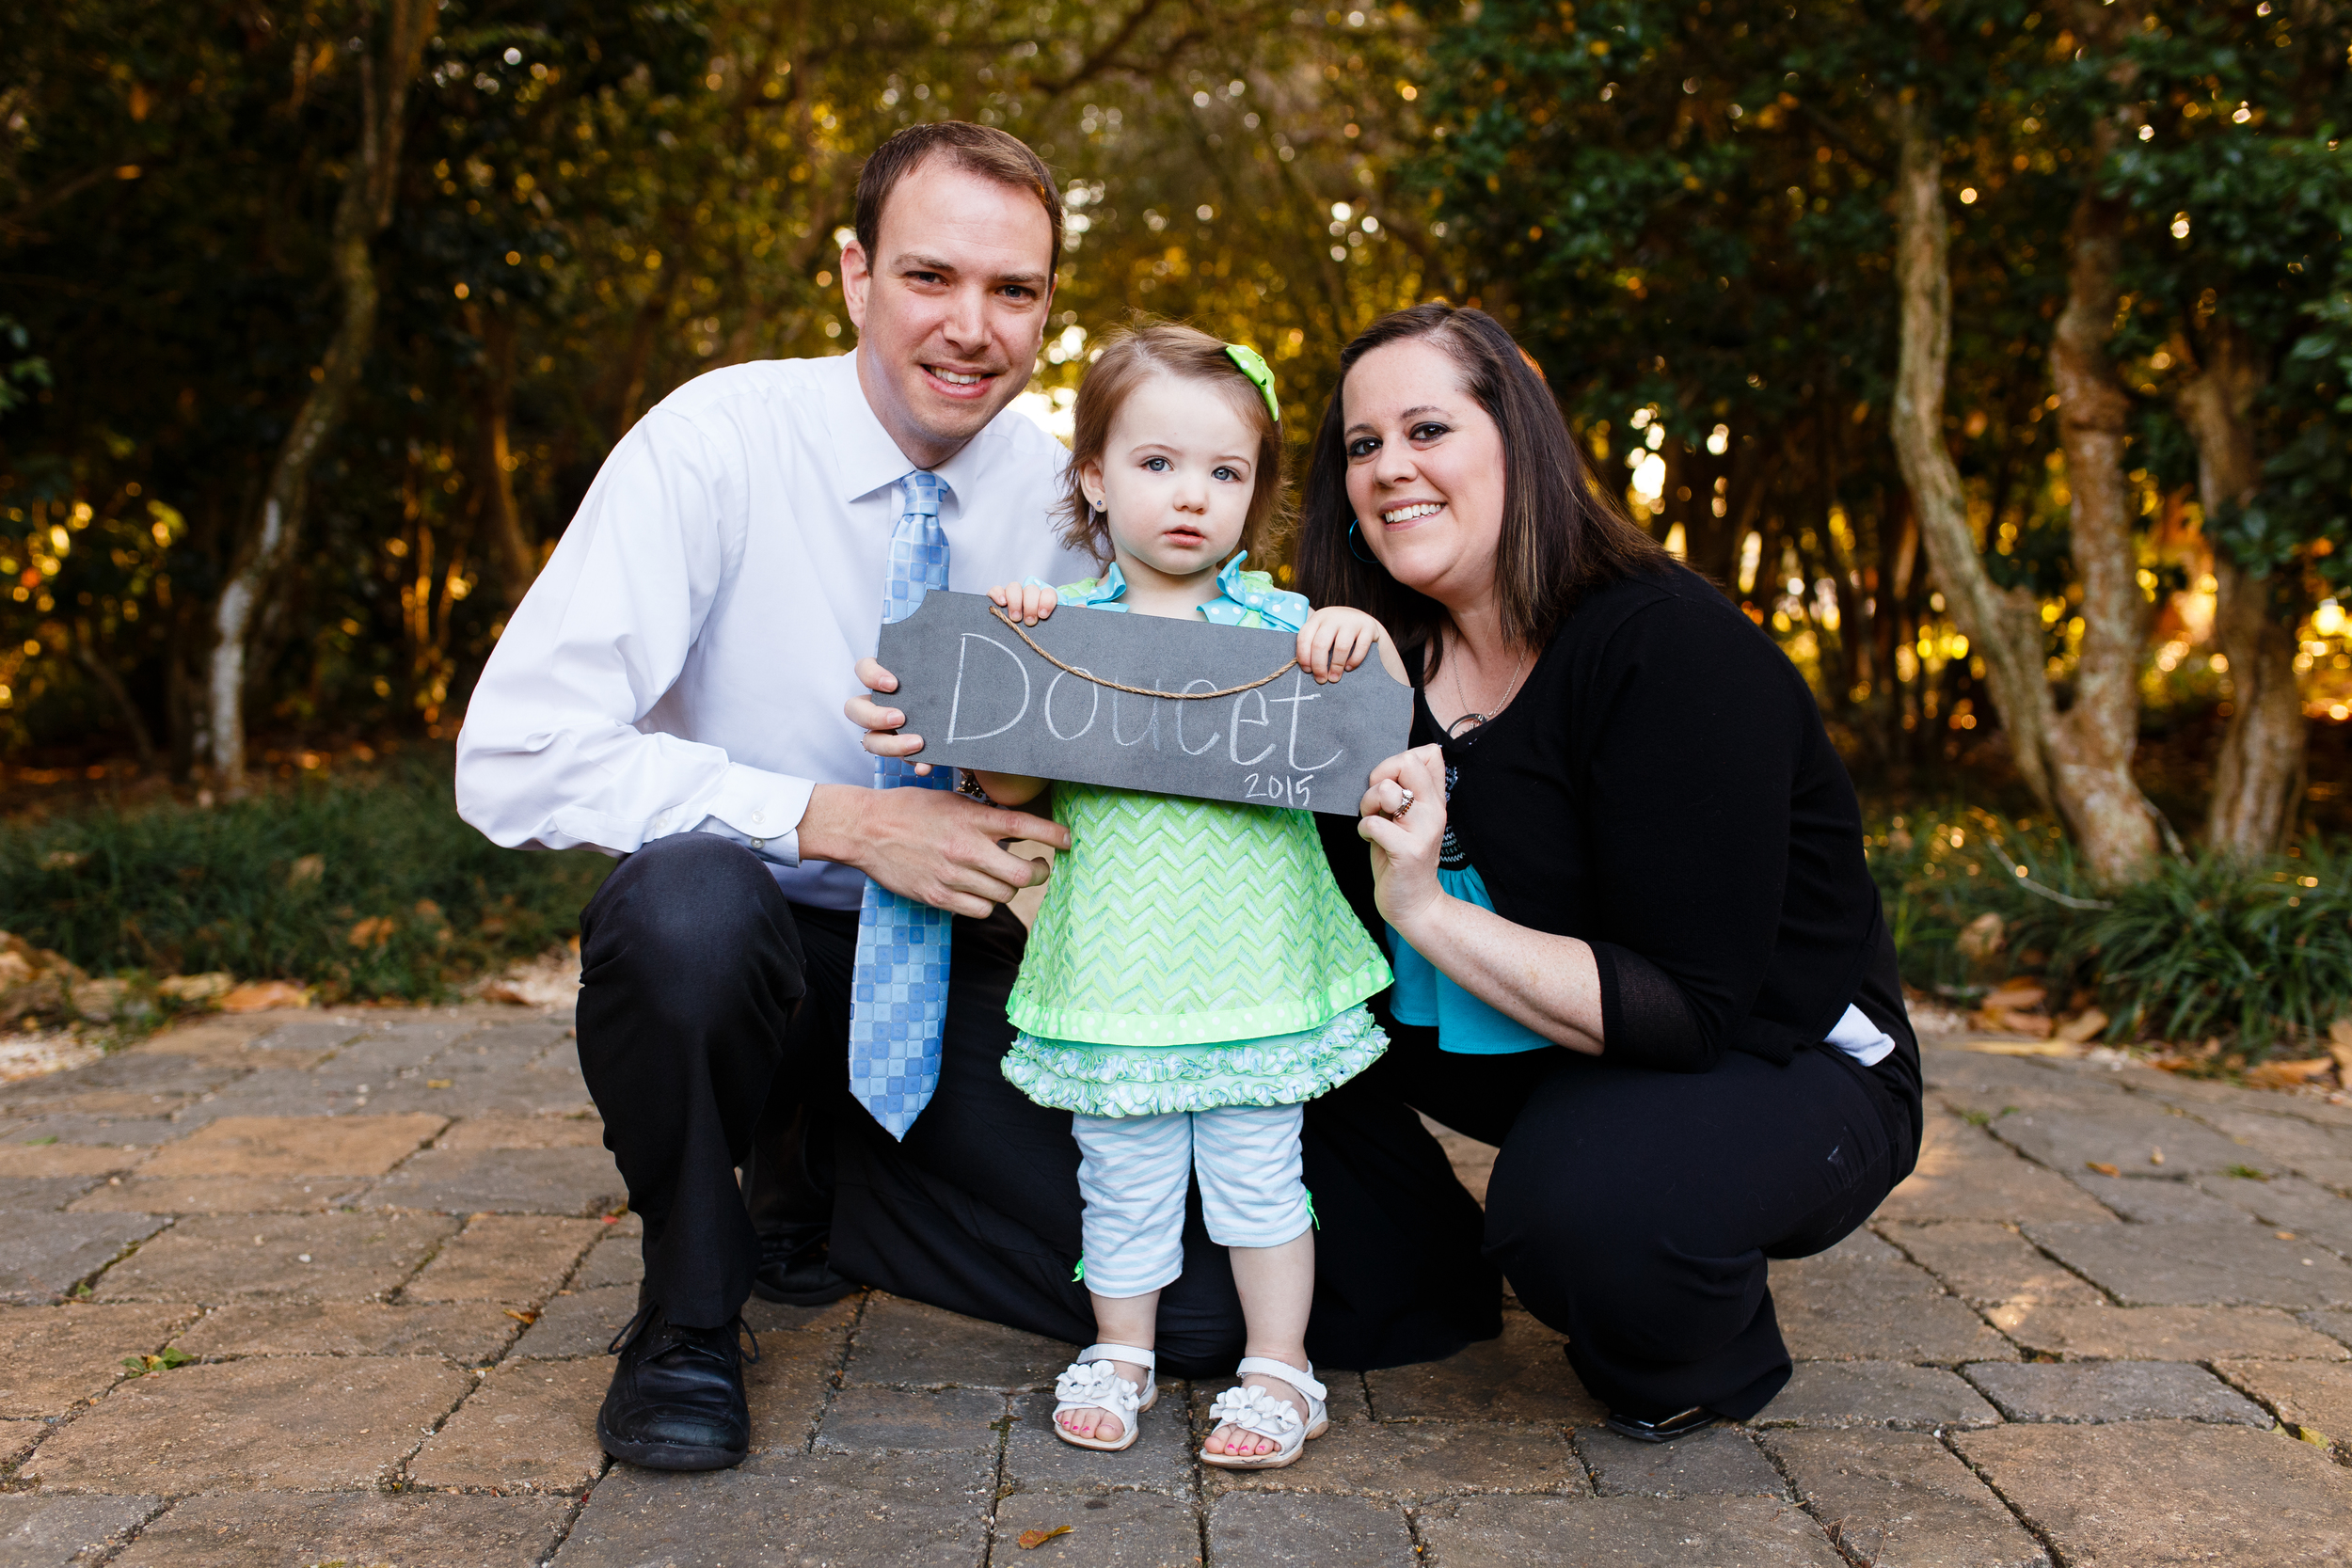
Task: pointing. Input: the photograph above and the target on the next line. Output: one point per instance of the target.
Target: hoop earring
(1354, 545)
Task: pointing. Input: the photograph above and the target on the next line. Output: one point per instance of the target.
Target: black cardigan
(1663, 788)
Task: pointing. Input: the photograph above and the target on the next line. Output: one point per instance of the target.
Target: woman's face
(1424, 471)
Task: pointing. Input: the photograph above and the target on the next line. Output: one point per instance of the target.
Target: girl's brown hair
(1129, 357)
(1562, 533)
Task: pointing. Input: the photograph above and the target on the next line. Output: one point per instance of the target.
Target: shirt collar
(866, 459)
(1111, 587)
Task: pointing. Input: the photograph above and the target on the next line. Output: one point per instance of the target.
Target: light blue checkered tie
(898, 991)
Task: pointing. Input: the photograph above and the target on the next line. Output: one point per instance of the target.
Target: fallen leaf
(2284, 1235)
(2008, 1021)
(260, 995)
(436, 1083)
(1980, 938)
(2015, 995)
(307, 868)
(2288, 1075)
(2155, 1156)
(196, 988)
(374, 932)
(2019, 1047)
(2103, 1167)
(1032, 1539)
(2082, 1026)
(522, 1317)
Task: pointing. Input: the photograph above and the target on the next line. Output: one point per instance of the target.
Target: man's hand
(926, 843)
(881, 723)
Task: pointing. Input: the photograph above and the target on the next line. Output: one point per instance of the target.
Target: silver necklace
(1472, 721)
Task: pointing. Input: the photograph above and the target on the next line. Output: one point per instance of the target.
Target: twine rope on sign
(1139, 690)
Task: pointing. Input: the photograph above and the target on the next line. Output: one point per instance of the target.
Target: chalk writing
(980, 698)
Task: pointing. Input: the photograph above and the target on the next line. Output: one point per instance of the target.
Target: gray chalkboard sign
(981, 696)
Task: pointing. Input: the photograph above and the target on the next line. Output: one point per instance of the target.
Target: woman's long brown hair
(1562, 534)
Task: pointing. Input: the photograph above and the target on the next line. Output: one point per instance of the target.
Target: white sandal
(1255, 1410)
(1091, 1383)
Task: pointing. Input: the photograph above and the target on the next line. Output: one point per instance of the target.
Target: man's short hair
(982, 149)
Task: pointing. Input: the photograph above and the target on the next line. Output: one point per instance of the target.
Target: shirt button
(759, 844)
(758, 817)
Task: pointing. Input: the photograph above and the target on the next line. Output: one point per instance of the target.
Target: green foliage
(2258, 954)
(368, 887)
(2242, 204)
(21, 369)
(596, 204)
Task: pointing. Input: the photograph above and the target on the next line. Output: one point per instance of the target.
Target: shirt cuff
(1645, 1020)
(760, 810)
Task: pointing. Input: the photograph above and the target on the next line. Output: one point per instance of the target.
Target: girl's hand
(1335, 640)
(1025, 601)
(1404, 831)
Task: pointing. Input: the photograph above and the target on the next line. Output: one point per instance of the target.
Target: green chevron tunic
(1191, 954)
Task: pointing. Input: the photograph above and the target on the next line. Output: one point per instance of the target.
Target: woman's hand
(1025, 601)
(1404, 821)
(1335, 640)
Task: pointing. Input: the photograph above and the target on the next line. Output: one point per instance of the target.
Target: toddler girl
(1195, 973)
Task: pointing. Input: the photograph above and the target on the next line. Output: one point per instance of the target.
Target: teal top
(1426, 998)
(1243, 598)
(1191, 954)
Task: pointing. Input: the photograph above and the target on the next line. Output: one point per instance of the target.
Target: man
(671, 691)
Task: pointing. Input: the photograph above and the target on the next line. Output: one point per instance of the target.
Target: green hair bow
(1261, 374)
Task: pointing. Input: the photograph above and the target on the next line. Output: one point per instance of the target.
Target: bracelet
(968, 785)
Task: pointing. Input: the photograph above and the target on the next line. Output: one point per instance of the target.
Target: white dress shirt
(680, 664)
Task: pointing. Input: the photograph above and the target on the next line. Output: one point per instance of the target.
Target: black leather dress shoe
(678, 1401)
(800, 1278)
(1665, 1429)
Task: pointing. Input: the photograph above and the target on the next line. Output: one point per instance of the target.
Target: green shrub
(365, 887)
(2257, 954)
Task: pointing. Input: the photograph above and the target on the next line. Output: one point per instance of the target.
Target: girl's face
(1176, 477)
(1424, 470)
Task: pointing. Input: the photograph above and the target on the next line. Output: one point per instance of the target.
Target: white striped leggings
(1133, 1171)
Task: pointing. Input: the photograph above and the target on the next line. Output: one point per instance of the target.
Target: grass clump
(2255, 954)
(366, 887)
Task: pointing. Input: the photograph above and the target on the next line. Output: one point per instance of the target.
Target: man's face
(952, 308)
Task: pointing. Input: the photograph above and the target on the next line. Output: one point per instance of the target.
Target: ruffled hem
(1061, 1024)
(1117, 1081)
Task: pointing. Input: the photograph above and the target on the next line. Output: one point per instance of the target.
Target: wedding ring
(1398, 814)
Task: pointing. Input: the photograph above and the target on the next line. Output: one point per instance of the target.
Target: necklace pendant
(1468, 722)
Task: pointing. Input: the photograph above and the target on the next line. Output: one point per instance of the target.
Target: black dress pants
(713, 1034)
(1635, 1210)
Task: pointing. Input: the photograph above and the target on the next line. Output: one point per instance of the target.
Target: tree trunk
(515, 562)
(2004, 626)
(362, 213)
(2258, 785)
(2079, 763)
(2098, 734)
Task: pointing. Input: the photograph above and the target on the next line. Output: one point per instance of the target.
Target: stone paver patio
(368, 1266)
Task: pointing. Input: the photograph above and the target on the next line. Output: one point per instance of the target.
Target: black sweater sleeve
(1688, 749)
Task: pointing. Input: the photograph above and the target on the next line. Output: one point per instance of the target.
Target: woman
(1622, 880)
